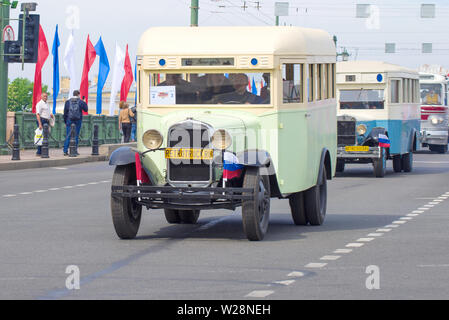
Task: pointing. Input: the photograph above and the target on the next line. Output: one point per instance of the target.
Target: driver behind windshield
(212, 85)
(240, 95)
(432, 98)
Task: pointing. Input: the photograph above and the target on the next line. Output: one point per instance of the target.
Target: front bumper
(184, 198)
(434, 137)
(373, 153)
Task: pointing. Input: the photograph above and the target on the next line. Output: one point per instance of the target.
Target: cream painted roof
(437, 78)
(371, 67)
(235, 40)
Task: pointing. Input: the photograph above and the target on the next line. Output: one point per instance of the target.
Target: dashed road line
(260, 294)
(375, 235)
(296, 274)
(330, 258)
(53, 189)
(315, 265)
(365, 239)
(285, 282)
(355, 245)
(383, 230)
(343, 251)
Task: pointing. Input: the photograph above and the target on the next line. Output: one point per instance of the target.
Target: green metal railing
(108, 132)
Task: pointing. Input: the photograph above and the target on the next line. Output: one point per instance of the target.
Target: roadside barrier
(16, 144)
(72, 146)
(95, 142)
(45, 152)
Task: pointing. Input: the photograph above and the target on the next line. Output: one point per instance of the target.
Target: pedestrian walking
(43, 117)
(73, 114)
(134, 124)
(125, 121)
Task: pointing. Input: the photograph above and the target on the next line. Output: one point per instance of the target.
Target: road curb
(36, 164)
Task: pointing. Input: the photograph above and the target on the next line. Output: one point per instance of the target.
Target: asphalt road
(54, 218)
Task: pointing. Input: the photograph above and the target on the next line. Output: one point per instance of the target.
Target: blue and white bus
(379, 116)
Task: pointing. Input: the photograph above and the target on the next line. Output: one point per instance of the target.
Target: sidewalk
(29, 160)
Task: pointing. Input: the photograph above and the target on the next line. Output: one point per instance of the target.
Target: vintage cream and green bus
(230, 117)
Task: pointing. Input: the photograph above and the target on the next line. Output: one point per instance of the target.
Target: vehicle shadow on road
(281, 228)
(367, 173)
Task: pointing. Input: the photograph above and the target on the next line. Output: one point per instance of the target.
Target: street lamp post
(4, 20)
(194, 8)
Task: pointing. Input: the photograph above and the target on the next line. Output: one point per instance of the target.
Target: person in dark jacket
(73, 114)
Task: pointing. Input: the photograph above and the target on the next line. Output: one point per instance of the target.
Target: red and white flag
(89, 59)
(42, 56)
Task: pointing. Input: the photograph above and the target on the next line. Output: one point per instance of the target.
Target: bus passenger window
(311, 83)
(293, 84)
(394, 91)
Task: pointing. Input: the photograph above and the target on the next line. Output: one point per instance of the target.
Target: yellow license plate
(189, 154)
(357, 149)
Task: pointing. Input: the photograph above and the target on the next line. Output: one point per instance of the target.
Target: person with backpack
(73, 114)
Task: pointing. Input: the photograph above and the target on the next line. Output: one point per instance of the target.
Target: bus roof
(426, 77)
(235, 40)
(372, 67)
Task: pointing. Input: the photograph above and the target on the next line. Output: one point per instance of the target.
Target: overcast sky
(396, 21)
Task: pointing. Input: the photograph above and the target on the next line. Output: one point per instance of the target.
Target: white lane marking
(81, 185)
(40, 191)
(330, 258)
(345, 251)
(61, 168)
(365, 240)
(418, 211)
(285, 282)
(400, 222)
(383, 230)
(26, 193)
(438, 200)
(433, 266)
(425, 209)
(105, 181)
(9, 196)
(316, 265)
(93, 183)
(355, 245)
(434, 203)
(413, 215)
(442, 198)
(68, 187)
(429, 206)
(375, 235)
(392, 226)
(406, 218)
(260, 294)
(296, 274)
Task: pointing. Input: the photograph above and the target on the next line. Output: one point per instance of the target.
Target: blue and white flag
(254, 89)
(56, 84)
(102, 73)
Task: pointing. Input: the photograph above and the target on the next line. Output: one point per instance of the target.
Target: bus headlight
(221, 140)
(152, 139)
(361, 130)
(435, 120)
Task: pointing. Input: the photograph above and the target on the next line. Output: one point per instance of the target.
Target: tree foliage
(20, 95)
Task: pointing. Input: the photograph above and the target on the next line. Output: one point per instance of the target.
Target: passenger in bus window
(212, 85)
(265, 92)
(240, 95)
(186, 93)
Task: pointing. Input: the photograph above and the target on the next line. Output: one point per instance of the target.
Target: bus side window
(293, 83)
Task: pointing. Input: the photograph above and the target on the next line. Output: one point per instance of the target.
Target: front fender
(122, 157)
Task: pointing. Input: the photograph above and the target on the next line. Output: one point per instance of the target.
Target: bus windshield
(431, 94)
(212, 89)
(362, 99)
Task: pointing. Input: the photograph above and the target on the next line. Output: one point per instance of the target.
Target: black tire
(407, 162)
(298, 210)
(316, 202)
(397, 164)
(256, 212)
(126, 214)
(172, 216)
(341, 166)
(189, 216)
(380, 165)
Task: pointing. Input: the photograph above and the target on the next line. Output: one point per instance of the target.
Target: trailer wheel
(298, 209)
(256, 212)
(438, 149)
(126, 213)
(316, 202)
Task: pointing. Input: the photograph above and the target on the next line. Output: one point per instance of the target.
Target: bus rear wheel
(407, 162)
(397, 164)
(438, 149)
(298, 210)
(316, 202)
